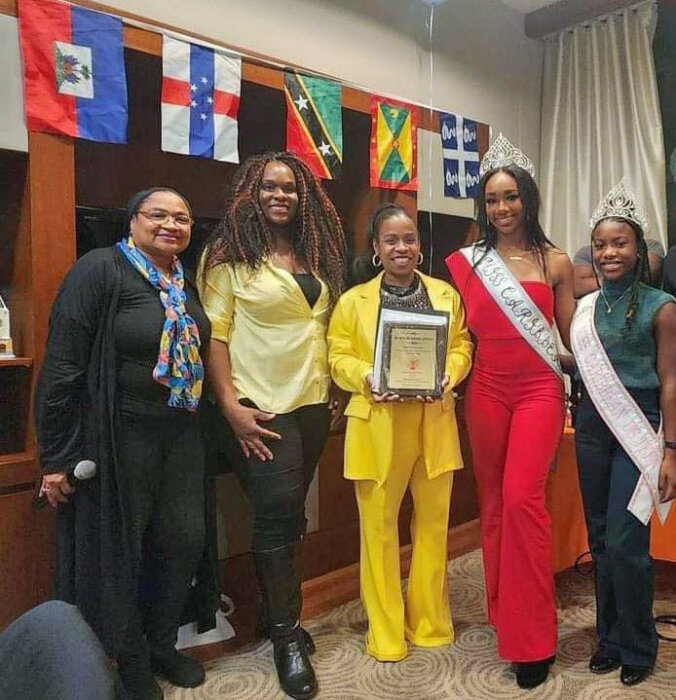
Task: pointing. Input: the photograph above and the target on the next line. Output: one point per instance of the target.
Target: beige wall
(484, 66)
(13, 134)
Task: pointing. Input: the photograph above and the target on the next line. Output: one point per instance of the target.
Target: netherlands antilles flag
(74, 77)
(393, 144)
(200, 101)
(314, 123)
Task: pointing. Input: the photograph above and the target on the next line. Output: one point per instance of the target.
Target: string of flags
(75, 84)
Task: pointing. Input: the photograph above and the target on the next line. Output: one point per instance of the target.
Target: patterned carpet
(469, 669)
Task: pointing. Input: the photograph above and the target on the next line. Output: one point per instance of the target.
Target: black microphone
(85, 469)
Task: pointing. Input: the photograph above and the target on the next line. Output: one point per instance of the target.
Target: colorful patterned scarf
(179, 365)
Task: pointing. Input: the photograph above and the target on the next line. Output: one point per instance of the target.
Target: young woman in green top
(626, 355)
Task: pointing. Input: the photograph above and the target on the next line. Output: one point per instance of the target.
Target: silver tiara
(620, 202)
(502, 153)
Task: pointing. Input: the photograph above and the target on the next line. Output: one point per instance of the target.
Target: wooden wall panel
(51, 170)
(26, 553)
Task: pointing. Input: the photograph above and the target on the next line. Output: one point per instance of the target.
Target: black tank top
(310, 286)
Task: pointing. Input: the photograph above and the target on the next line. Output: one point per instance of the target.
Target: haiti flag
(74, 77)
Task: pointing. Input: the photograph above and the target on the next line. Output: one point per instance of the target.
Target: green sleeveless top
(630, 348)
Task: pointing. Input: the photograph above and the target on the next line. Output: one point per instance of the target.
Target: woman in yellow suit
(392, 444)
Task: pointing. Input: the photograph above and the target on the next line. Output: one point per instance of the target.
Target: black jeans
(161, 464)
(277, 488)
(619, 542)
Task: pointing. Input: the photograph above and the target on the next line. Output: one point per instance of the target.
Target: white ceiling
(527, 5)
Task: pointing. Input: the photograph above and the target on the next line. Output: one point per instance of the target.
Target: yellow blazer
(369, 440)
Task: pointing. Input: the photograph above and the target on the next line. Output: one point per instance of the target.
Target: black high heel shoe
(601, 662)
(633, 675)
(530, 674)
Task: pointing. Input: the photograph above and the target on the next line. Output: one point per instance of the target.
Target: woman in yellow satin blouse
(269, 277)
(392, 444)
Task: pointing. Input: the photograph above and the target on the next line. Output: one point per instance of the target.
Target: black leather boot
(263, 626)
(279, 576)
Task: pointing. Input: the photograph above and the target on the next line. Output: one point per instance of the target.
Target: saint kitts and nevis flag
(393, 144)
(314, 123)
(200, 101)
(74, 77)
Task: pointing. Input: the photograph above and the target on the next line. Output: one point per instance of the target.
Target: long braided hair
(243, 236)
(641, 269)
(530, 201)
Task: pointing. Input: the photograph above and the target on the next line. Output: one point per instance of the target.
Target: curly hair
(243, 236)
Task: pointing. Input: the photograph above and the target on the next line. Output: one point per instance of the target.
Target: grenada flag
(393, 144)
(74, 77)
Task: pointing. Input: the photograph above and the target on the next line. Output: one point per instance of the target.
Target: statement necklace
(609, 306)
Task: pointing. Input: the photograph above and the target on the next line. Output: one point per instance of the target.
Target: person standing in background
(586, 281)
(669, 276)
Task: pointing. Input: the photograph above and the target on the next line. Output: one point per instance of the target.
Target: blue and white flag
(459, 141)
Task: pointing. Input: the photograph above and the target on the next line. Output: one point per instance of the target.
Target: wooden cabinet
(37, 246)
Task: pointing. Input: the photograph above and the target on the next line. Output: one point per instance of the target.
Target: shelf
(17, 469)
(16, 362)
(16, 458)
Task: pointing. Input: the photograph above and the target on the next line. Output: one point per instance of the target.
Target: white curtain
(600, 121)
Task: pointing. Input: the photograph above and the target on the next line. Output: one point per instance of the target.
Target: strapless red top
(500, 346)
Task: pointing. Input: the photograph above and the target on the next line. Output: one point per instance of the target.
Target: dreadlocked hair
(243, 236)
(530, 201)
(641, 269)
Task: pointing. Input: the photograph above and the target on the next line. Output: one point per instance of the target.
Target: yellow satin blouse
(277, 343)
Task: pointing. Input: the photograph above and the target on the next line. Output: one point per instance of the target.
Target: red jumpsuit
(514, 405)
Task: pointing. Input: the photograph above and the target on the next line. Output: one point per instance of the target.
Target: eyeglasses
(161, 217)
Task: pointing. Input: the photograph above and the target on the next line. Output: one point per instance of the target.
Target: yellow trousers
(426, 618)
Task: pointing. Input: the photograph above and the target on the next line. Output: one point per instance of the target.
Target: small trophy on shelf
(5, 337)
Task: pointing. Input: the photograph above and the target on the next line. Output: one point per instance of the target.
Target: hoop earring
(420, 258)
(376, 260)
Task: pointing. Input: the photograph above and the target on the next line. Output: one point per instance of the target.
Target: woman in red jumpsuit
(515, 403)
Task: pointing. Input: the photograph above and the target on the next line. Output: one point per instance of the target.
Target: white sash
(517, 306)
(619, 412)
